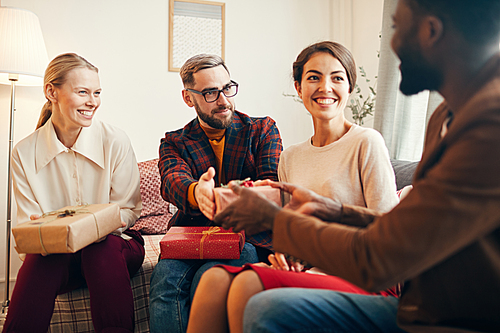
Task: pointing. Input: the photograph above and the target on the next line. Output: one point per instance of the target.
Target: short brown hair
(336, 50)
(196, 64)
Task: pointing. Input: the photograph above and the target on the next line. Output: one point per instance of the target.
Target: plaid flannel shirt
(252, 149)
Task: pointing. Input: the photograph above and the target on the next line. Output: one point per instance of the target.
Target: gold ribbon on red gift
(206, 233)
(62, 214)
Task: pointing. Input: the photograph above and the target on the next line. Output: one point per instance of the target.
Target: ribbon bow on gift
(212, 231)
(67, 212)
(207, 233)
(63, 214)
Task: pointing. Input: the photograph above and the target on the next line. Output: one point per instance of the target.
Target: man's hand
(251, 212)
(204, 193)
(307, 202)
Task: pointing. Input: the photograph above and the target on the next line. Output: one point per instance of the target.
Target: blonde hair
(56, 73)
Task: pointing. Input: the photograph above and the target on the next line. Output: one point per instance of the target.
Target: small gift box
(67, 230)
(201, 243)
(224, 196)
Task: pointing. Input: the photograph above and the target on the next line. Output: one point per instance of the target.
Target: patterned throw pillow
(153, 225)
(155, 211)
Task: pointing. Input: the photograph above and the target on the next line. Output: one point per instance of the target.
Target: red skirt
(273, 278)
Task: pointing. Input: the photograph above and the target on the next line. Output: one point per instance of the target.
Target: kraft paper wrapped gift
(201, 243)
(67, 230)
(224, 196)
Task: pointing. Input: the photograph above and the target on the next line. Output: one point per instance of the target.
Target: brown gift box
(67, 230)
(224, 196)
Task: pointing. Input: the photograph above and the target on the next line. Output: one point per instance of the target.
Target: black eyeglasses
(212, 95)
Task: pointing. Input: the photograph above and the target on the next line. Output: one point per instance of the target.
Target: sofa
(404, 171)
(72, 310)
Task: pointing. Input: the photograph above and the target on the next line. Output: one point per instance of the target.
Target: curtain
(401, 120)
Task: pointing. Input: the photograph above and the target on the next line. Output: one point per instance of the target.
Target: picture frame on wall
(195, 27)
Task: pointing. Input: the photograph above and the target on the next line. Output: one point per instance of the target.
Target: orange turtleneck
(217, 139)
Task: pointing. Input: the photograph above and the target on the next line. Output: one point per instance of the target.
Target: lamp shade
(22, 49)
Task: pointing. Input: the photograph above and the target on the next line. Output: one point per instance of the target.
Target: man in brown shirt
(443, 239)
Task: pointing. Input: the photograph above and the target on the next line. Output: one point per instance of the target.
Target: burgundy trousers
(105, 267)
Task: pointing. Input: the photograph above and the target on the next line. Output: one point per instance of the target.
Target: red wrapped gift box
(224, 196)
(201, 243)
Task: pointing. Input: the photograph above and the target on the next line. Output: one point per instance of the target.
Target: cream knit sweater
(355, 169)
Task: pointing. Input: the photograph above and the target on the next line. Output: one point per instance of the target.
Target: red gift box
(201, 243)
(225, 196)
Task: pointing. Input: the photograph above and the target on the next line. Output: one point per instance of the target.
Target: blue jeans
(317, 310)
(173, 284)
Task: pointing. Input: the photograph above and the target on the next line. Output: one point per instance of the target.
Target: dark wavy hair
(336, 50)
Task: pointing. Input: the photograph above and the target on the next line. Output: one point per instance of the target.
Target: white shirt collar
(88, 144)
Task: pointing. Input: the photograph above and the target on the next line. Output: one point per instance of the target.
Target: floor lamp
(23, 59)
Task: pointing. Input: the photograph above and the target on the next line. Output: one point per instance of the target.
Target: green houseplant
(362, 106)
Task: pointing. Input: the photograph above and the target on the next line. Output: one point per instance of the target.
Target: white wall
(367, 26)
(128, 41)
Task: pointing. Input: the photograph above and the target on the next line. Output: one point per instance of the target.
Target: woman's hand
(279, 262)
(264, 182)
(262, 264)
(116, 232)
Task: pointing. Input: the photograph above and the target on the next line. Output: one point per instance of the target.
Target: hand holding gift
(254, 213)
(224, 196)
(68, 229)
(248, 209)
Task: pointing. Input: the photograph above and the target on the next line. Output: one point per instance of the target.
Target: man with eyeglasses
(219, 145)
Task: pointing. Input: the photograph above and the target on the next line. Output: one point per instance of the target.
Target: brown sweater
(443, 239)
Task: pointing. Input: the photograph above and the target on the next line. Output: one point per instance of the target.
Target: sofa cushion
(152, 225)
(404, 171)
(152, 202)
(156, 212)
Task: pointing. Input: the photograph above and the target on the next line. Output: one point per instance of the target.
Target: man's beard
(416, 73)
(213, 121)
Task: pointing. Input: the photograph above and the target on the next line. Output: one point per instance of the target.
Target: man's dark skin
(253, 213)
(443, 238)
(434, 56)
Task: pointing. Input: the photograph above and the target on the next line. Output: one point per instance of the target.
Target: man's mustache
(222, 108)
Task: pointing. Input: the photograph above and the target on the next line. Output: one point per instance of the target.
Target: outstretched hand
(204, 193)
(251, 212)
(308, 202)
